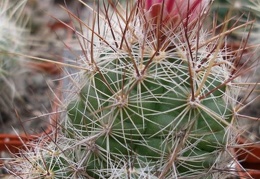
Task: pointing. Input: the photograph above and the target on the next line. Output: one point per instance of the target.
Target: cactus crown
(153, 101)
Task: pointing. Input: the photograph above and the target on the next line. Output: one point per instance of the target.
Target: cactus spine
(149, 102)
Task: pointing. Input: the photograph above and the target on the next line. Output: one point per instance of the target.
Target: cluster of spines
(143, 110)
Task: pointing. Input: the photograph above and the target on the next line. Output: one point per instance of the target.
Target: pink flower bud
(173, 11)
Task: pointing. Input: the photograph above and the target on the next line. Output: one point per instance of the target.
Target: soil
(32, 106)
(35, 84)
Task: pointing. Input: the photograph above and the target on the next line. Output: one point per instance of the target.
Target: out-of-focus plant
(12, 40)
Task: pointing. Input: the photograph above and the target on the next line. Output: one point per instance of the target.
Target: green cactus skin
(150, 118)
(139, 111)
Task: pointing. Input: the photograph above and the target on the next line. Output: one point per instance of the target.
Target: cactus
(12, 40)
(153, 99)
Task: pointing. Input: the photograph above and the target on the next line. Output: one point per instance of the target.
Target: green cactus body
(146, 106)
(149, 116)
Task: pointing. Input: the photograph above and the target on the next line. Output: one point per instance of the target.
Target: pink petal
(169, 5)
